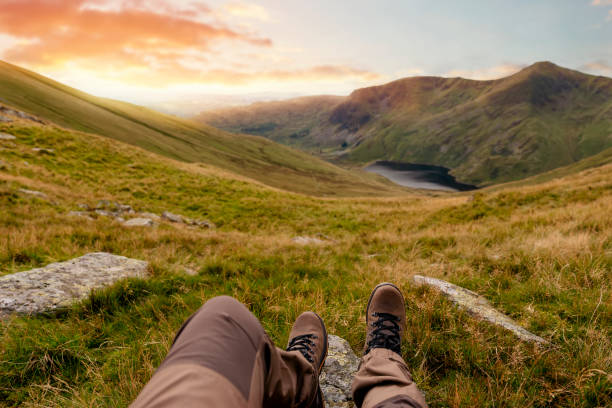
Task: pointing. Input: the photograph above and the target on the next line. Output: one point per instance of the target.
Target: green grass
(250, 156)
(540, 252)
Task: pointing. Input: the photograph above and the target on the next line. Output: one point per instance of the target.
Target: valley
(486, 132)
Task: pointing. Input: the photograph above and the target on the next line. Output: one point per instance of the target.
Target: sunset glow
(137, 50)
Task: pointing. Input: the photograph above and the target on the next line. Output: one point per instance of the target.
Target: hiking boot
(385, 319)
(309, 337)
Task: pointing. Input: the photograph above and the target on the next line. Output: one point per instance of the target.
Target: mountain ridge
(486, 132)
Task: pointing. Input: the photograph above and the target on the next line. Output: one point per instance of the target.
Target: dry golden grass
(541, 253)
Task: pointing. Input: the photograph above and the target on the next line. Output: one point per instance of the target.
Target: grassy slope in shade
(539, 119)
(250, 156)
(541, 253)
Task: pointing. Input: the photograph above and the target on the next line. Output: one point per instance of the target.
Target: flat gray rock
(34, 193)
(58, 285)
(338, 372)
(42, 150)
(139, 222)
(6, 136)
(307, 240)
(172, 217)
(150, 216)
(478, 306)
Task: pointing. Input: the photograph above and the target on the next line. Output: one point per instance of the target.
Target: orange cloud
(495, 72)
(248, 10)
(145, 42)
(75, 29)
(598, 66)
(323, 73)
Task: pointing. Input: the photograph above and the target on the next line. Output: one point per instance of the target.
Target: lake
(418, 176)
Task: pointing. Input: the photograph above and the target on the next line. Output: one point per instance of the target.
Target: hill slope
(180, 139)
(539, 119)
(540, 253)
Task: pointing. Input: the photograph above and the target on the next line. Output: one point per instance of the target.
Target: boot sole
(326, 343)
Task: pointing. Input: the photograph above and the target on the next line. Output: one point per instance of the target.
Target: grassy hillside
(541, 253)
(250, 156)
(288, 122)
(539, 119)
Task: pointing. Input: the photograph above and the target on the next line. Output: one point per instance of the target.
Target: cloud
(495, 72)
(154, 43)
(248, 10)
(599, 67)
(605, 3)
(134, 32)
(230, 77)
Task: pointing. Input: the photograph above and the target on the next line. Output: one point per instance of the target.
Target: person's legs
(383, 379)
(222, 357)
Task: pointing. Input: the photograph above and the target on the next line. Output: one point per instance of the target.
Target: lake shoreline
(423, 176)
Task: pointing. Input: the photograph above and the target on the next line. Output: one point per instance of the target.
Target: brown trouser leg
(383, 381)
(222, 357)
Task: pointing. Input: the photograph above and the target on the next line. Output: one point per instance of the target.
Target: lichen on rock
(58, 285)
(338, 372)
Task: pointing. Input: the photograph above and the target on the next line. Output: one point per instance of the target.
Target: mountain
(185, 140)
(536, 120)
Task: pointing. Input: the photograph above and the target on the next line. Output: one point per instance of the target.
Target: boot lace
(304, 345)
(386, 333)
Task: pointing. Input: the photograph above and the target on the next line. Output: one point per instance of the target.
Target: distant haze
(190, 105)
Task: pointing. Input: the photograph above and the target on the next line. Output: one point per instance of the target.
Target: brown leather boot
(309, 337)
(385, 319)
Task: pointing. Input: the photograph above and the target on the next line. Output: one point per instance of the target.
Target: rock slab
(58, 285)
(139, 222)
(338, 372)
(478, 306)
(307, 240)
(33, 193)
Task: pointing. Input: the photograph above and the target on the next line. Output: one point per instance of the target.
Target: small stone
(84, 207)
(120, 219)
(307, 241)
(172, 217)
(198, 223)
(33, 193)
(81, 214)
(105, 205)
(105, 213)
(205, 224)
(478, 307)
(6, 136)
(43, 150)
(123, 208)
(337, 375)
(150, 216)
(139, 222)
(190, 271)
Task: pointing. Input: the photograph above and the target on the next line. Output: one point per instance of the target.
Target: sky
(190, 51)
